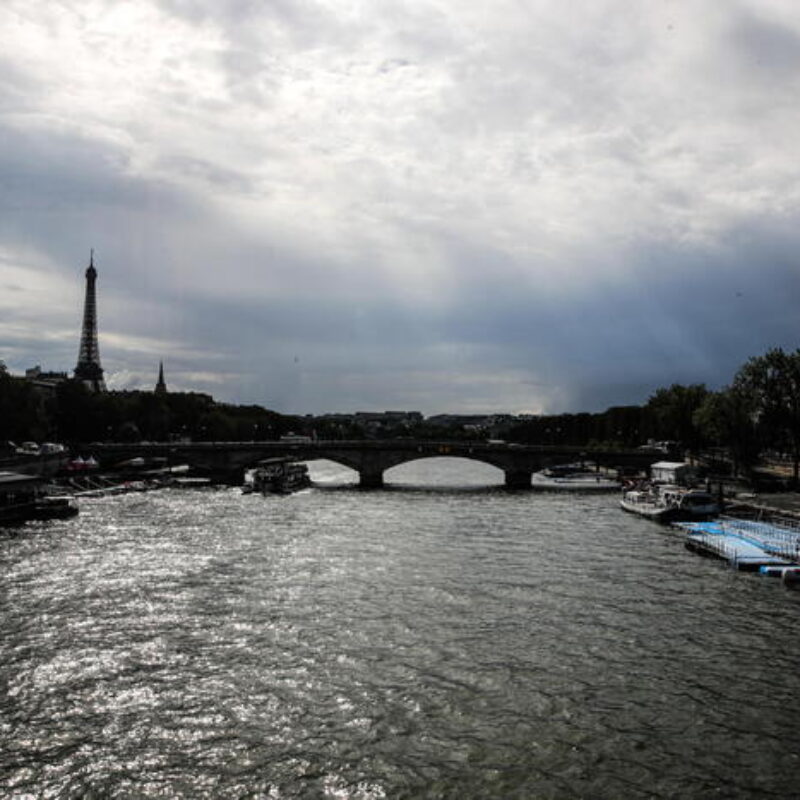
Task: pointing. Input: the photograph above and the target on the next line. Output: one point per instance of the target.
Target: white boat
(572, 477)
(669, 503)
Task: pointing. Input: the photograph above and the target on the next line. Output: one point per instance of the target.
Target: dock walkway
(745, 544)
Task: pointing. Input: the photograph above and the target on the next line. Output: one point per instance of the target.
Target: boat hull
(45, 465)
(650, 511)
(37, 510)
(570, 485)
(659, 512)
(278, 476)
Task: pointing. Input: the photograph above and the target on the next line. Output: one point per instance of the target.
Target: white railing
(779, 538)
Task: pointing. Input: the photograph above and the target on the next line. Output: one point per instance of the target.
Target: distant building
(88, 369)
(474, 421)
(47, 381)
(161, 386)
(385, 418)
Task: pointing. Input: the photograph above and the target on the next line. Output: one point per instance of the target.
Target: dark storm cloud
(323, 206)
(690, 315)
(678, 318)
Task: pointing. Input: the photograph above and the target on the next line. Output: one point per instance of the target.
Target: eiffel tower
(88, 369)
(161, 385)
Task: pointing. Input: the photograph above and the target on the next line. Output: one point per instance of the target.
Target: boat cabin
(22, 499)
(280, 475)
(18, 495)
(15, 486)
(676, 472)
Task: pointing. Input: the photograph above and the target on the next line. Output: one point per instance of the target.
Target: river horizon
(442, 637)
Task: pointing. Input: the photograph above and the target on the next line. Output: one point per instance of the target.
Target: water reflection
(415, 642)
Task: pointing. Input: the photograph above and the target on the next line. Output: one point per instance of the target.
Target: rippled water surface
(457, 642)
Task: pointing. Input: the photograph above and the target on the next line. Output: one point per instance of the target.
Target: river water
(442, 638)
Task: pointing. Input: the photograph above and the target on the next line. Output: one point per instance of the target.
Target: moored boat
(573, 477)
(669, 503)
(22, 499)
(668, 496)
(47, 507)
(42, 463)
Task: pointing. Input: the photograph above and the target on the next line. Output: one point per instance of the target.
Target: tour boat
(281, 475)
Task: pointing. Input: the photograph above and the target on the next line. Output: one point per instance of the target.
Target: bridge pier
(518, 479)
(231, 476)
(370, 479)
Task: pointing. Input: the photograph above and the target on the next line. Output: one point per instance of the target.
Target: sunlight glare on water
(440, 638)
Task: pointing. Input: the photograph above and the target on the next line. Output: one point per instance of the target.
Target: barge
(22, 499)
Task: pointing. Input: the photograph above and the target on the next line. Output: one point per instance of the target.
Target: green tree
(622, 426)
(726, 418)
(672, 412)
(217, 426)
(772, 384)
(23, 410)
(128, 432)
(76, 418)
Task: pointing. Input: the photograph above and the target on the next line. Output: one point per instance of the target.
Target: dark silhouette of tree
(672, 413)
(772, 383)
(726, 418)
(128, 432)
(23, 414)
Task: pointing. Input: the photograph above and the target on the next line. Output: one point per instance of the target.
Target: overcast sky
(434, 205)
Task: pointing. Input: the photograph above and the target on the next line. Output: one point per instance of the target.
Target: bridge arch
(327, 470)
(373, 462)
(446, 470)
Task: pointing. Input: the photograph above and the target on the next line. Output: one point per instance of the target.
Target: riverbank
(785, 504)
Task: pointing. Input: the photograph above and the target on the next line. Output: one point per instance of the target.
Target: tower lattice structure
(88, 369)
(161, 385)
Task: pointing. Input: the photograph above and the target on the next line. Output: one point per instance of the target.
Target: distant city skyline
(440, 206)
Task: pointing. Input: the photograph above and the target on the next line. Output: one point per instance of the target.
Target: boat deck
(745, 547)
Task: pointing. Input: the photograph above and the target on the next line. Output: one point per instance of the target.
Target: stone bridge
(369, 458)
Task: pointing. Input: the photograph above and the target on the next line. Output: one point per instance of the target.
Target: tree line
(71, 414)
(758, 412)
